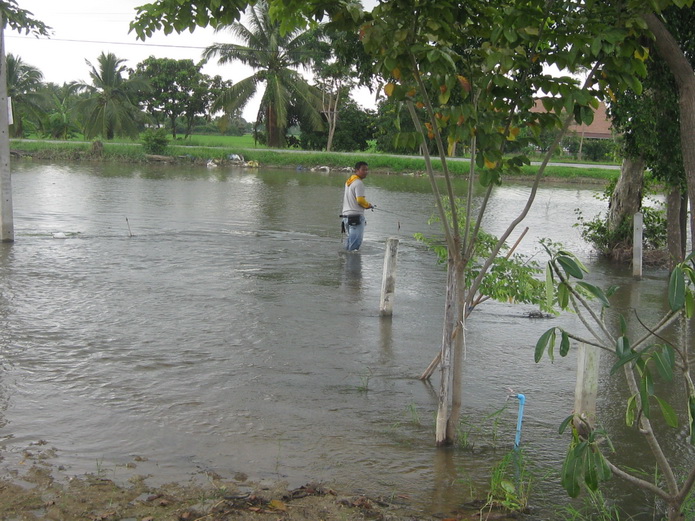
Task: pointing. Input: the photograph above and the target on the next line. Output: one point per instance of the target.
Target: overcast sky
(83, 29)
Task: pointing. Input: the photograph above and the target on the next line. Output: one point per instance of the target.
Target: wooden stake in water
(388, 282)
(130, 234)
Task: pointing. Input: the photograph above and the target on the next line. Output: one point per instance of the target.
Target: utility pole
(6, 217)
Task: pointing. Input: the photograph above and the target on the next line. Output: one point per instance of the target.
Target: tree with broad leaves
(170, 87)
(21, 20)
(654, 368)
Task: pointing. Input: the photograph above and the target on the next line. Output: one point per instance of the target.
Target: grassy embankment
(200, 149)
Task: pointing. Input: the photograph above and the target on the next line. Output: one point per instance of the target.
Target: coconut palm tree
(61, 116)
(23, 85)
(109, 109)
(275, 58)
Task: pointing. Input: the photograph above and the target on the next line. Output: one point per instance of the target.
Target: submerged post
(637, 234)
(388, 281)
(6, 214)
(586, 389)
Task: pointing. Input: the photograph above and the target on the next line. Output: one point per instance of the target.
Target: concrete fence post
(586, 388)
(637, 237)
(388, 281)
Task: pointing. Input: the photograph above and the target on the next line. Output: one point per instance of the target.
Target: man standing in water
(354, 205)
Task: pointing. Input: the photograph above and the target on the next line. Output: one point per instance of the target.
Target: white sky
(83, 29)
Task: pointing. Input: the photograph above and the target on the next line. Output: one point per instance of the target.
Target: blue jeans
(355, 233)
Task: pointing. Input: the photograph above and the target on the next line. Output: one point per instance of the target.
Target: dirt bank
(36, 495)
(37, 490)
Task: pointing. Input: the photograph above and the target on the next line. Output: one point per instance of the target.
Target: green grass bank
(200, 150)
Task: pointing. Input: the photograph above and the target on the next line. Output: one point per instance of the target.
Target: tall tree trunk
(626, 199)
(676, 216)
(442, 431)
(458, 352)
(332, 117)
(678, 63)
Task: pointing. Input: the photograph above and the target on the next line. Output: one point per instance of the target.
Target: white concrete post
(637, 235)
(6, 214)
(388, 281)
(586, 388)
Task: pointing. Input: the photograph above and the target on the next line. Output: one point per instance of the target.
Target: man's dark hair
(360, 164)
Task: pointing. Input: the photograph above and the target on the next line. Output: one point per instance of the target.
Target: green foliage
(155, 141)
(356, 127)
(599, 150)
(510, 484)
(512, 277)
(23, 84)
(275, 57)
(22, 20)
(108, 109)
(641, 359)
(177, 89)
(594, 507)
(596, 231)
(584, 463)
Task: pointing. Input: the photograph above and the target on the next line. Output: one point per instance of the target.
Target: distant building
(600, 128)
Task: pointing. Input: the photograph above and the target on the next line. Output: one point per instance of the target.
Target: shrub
(155, 141)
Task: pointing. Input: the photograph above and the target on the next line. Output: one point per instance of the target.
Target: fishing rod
(388, 211)
(398, 222)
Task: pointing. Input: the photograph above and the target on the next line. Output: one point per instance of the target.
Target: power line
(142, 44)
(137, 44)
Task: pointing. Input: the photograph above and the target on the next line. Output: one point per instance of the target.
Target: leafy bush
(155, 141)
(512, 277)
(595, 231)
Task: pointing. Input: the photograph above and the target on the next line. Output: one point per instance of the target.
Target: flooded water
(203, 321)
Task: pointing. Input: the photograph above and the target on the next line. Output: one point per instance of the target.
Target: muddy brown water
(199, 320)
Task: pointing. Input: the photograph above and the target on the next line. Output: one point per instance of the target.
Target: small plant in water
(594, 507)
(364, 380)
(510, 484)
(414, 416)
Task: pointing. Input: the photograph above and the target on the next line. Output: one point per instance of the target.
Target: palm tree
(275, 58)
(109, 110)
(60, 110)
(23, 85)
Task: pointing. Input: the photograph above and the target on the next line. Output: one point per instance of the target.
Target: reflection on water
(231, 333)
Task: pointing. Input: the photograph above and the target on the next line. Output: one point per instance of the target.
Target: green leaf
(565, 423)
(631, 411)
(676, 289)
(689, 304)
(549, 286)
(590, 469)
(564, 344)
(596, 292)
(563, 295)
(572, 470)
(646, 389)
(664, 359)
(543, 343)
(570, 266)
(605, 472)
(668, 412)
(622, 347)
(624, 353)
